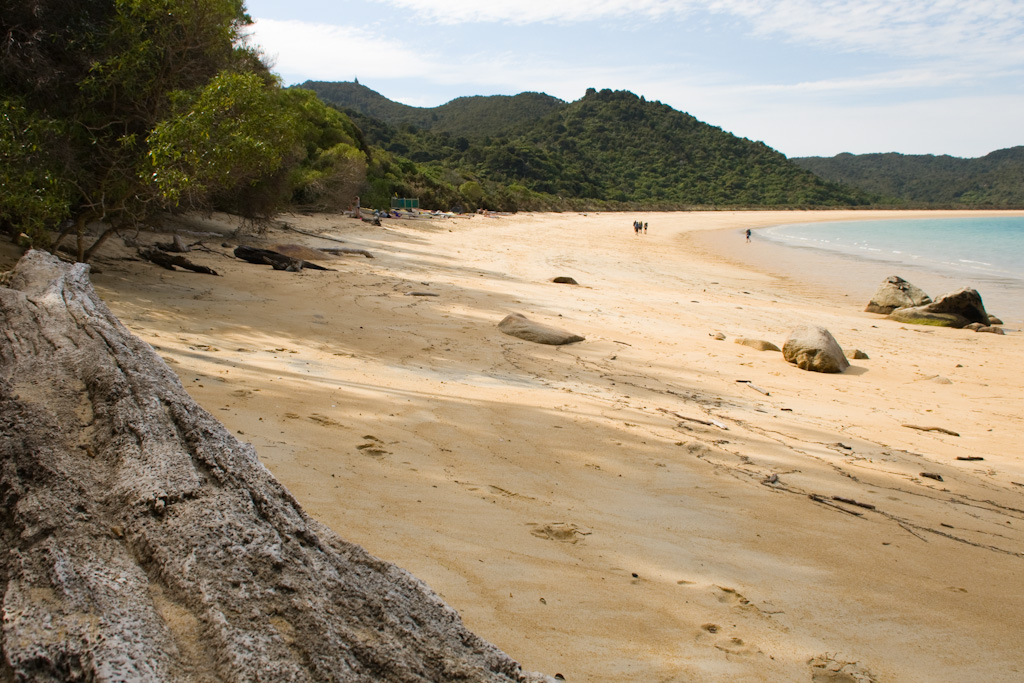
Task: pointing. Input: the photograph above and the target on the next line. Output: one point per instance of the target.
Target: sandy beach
(623, 508)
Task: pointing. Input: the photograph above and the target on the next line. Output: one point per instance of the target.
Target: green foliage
(462, 117)
(607, 150)
(995, 180)
(33, 194)
(229, 134)
(107, 73)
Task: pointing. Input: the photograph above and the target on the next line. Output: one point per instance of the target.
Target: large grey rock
(895, 292)
(814, 348)
(518, 325)
(142, 542)
(958, 309)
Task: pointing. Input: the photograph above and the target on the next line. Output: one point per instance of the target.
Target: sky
(806, 77)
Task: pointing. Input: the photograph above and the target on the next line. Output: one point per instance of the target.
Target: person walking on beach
(748, 235)
(645, 228)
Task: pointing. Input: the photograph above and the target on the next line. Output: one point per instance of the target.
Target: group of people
(639, 227)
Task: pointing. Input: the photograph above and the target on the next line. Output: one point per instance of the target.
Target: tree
(108, 74)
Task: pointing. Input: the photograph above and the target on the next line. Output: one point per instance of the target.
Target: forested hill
(608, 146)
(464, 116)
(994, 180)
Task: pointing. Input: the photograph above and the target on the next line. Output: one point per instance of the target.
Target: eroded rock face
(141, 541)
(957, 309)
(518, 325)
(814, 348)
(893, 293)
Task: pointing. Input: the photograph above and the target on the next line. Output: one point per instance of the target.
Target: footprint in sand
(324, 420)
(714, 635)
(242, 393)
(373, 446)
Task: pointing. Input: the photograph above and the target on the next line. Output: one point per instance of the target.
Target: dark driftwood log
(141, 541)
(274, 259)
(169, 261)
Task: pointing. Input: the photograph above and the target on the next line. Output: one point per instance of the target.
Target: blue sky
(807, 77)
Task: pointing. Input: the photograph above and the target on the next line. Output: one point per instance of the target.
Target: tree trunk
(141, 541)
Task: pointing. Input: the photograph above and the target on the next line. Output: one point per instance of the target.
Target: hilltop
(609, 149)
(994, 180)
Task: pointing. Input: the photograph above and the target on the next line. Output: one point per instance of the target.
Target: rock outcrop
(518, 325)
(893, 293)
(957, 309)
(142, 541)
(814, 348)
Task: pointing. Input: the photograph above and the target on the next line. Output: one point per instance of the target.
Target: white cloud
(326, 52)
(992, 30)
(534, 11)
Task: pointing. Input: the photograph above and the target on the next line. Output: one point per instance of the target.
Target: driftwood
(142, 541)
(275, 260)
(851, 501)
(347, 250)
(176, 245)
(708, 422)
(942, 430)
(169, 261)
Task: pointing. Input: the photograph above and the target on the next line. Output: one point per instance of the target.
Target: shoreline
(846, 279)
(576, 504)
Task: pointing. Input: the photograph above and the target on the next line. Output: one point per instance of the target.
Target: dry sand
(558, 498)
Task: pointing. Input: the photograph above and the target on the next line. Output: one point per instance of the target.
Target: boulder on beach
(958, 309)
(518, 325)
(759, 344)
(895, 292)
(856, 354)
(814, 348)
(564, 280)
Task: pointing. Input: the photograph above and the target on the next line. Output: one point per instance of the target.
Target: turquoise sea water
(985, 252)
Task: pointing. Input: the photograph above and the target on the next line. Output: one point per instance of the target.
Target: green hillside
(609, 147)
(464, 116)
(994, 180)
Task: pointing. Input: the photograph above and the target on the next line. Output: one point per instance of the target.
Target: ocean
(986, 253)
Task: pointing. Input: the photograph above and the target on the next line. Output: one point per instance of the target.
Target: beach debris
(856, 354)
(274, 259)
(770, 479)
(957, 309)
(851, 501)
(518, 325)
(941, 430)
(169, 261)
(932, 475)
(893, 293)
(824, 501)
(813, 348)
(710, 422)
(342, 251)
(754, 386)
(759, 344)
(719, 336)
(969, 458)
(421, 294)
(840, 444)
(176, 245)
(563, 532)
(564, 280)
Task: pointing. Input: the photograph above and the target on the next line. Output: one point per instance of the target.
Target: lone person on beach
(748, 235)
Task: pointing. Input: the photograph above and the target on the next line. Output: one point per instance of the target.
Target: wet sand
(578, 505)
